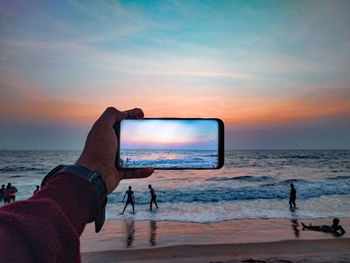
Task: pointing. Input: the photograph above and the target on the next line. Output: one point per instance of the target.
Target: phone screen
(171, 143)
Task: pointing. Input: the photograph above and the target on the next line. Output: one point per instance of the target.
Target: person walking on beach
(335, 228)
(2, 192)
(36, 190)
(130, 200)
(292, 197)
(153, 197)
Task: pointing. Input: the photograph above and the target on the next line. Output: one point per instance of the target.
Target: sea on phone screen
(136, 158)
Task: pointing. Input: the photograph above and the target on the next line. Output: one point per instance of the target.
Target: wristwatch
(95, 178)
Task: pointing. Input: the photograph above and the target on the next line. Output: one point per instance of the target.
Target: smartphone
(170, 143)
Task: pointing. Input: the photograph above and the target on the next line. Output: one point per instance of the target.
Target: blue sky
(276, 72)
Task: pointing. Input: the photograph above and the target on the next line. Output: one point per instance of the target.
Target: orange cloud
(24, 100)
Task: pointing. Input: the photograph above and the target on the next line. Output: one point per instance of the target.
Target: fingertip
(135, 113)
(139, 113)
(149, 170)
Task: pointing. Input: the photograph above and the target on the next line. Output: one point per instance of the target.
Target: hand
(101, 148)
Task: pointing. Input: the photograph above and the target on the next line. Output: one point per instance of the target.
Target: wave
(210, 193)
(302, 157)
(243, 178)
(197, 162)
(21, 169)
(339, 177)
(293, 181)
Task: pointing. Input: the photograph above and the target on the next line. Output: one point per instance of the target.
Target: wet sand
(231, 241)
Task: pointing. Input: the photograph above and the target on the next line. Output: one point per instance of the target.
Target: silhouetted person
(292, 197)
(153, 197)
(11, 192)
(36, 190)
(2, 192)
(130, 200)
(6, 195)
(335, 228)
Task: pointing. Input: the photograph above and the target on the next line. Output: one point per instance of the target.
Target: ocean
(252, 184)
(169, 158)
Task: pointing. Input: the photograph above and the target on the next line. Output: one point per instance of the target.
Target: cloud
(24, 99)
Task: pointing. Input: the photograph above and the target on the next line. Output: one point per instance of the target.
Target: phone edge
(221, 144)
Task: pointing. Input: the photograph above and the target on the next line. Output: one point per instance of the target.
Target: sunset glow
(276, 72)
(169, 134)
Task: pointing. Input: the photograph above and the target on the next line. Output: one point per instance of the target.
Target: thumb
(111, 115)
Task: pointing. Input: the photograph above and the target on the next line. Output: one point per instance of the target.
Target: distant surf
(169, 158)
(252, 184)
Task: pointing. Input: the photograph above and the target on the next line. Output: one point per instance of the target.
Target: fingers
(137, 173)
(136, 113)
(111, 115)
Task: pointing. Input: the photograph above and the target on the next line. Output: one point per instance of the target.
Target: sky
(276, 72)
(169, 134)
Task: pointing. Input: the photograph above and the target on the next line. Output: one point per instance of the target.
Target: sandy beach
(273, 240)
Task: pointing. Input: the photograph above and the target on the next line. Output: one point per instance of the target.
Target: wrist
(88, 163)
(105, 168)
(96, 180)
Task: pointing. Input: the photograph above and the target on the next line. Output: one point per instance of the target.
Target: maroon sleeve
(47, 226)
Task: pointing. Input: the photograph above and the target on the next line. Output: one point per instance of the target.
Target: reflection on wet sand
(153, 233)
(130, 231)
(295, 228)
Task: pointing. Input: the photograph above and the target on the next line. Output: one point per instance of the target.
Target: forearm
(46, 227)
(74, 195)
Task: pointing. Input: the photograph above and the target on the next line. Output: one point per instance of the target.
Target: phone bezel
(221, 144)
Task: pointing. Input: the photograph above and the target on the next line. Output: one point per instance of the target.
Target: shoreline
(287, 251)
(135, 241)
